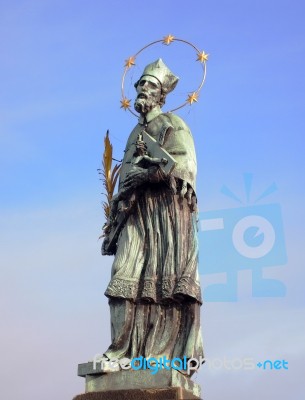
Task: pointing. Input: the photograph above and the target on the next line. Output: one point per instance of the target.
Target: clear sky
(60, 71)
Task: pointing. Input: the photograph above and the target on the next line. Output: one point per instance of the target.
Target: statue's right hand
(135, 177)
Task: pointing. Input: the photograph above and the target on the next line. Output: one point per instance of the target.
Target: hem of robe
(170, 288)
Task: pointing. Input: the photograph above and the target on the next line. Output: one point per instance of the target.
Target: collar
(150, 115)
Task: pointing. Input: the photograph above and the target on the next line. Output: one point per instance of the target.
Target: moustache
(142, 96)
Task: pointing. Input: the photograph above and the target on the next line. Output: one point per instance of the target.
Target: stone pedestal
(136, 385)
(139, 394)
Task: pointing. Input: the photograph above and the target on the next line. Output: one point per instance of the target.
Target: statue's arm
(180, 144)
(137, 176)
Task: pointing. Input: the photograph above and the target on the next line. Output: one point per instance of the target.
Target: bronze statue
(154, 292)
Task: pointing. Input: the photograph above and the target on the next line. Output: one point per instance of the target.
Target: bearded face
(149, 94)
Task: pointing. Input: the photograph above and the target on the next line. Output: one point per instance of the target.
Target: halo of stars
(202, 57)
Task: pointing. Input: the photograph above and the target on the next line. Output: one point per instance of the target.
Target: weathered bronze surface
(154, 292)
(131, 379)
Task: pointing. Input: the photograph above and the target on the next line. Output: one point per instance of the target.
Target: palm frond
(109, 176)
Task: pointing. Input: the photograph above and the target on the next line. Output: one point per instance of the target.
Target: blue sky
(61, 67)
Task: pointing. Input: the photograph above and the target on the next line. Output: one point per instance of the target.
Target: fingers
(127, 182)
(130, 177)
(131, 182)
(183, 189)
(194, 204)
(188, 192)
(135, 177)
(128, 185)
(189, 196)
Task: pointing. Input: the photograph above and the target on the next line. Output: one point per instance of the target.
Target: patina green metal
(154, 292)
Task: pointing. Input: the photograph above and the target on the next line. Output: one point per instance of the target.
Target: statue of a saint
(154, 292)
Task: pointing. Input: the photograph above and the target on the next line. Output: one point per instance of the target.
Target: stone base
(174, 393)
(167, 384)
(98, 380)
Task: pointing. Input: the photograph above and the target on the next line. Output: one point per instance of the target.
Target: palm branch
(110, 176)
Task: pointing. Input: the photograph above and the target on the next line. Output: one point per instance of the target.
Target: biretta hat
(161, 72)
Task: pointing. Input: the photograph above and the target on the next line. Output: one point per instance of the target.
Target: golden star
(202, 56)
(192, 97)
(130, 62)
(125, 103)
(168, 39)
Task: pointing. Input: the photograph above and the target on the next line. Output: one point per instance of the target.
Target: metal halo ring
(193, 97)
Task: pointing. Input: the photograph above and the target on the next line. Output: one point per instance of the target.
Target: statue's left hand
(135, 177)
(189, 194)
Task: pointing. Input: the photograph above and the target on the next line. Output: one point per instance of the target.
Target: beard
(144, 104)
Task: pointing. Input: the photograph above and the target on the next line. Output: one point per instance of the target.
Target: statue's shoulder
(178, 135)
(180, 144)
(177, 122)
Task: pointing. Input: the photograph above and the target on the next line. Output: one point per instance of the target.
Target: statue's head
(155, 83)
